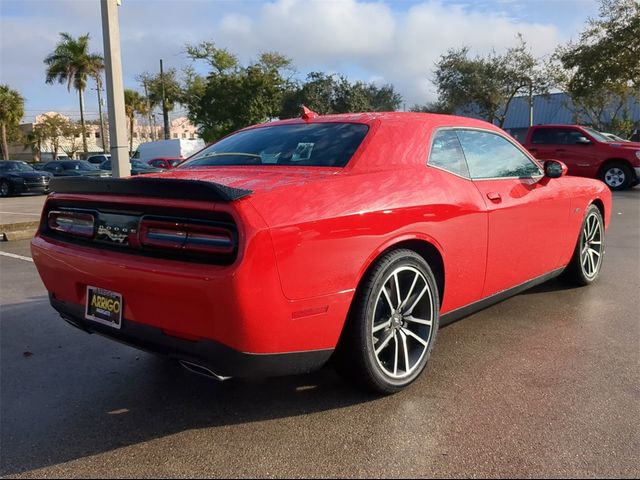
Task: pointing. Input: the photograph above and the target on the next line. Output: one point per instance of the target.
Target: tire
(617, 175)
(586, 262)
(382, 349)
(5, 188)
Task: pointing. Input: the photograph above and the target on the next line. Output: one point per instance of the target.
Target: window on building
(175, 135)
(97, 134)
(184, 135)
(135, 134)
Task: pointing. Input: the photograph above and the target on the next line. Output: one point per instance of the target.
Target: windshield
(307, 144)
(174, 163)
(15, 167)
(597, 135)
(78, 165)
(140, 165)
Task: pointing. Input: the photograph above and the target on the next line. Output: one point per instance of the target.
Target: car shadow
(66, 394)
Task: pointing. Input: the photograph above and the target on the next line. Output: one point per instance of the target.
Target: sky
(384, 41)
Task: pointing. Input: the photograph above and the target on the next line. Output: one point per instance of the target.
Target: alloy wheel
(591, 245)
(402, 322)
(615, 177)
(4, 189)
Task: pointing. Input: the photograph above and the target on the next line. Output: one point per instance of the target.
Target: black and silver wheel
(393, 323)
(5, 188)
(586, 262)
(617, 175)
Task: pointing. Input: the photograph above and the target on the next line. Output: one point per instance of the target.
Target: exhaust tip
(201, 370)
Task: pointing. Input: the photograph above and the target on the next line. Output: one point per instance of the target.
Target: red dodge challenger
(285, 243)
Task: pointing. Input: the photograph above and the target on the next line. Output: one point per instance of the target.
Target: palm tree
(133, 103)
(11, 112)
(71, 63)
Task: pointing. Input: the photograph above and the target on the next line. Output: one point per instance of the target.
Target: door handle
(494, 196)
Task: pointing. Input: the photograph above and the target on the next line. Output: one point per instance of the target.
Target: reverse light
(72, 223)
(185, 236)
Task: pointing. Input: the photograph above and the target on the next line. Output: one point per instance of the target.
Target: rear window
(307, 144)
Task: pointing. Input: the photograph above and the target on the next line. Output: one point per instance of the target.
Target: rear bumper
(218, 358)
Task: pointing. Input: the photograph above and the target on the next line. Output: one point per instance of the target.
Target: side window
(491, 156)
(573, 136)
(447, 154)
(546, 136)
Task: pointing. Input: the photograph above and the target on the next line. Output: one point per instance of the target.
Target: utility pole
(99, 90)
(165, 112)
(146, 96)
(115, 90)
(530, 103)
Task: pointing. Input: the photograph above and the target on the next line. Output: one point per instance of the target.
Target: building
(70, 145)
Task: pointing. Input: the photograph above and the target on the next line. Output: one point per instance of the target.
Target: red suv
(587, 153)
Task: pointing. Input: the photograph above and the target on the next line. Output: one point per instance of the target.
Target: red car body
(305, 236)
(587, 153)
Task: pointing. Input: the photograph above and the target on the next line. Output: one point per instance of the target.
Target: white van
(168, 148)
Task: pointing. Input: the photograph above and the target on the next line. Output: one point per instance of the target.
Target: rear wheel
(393, 323)
(617, 175)
(587, 258)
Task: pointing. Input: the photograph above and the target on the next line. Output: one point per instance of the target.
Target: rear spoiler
(149, 187)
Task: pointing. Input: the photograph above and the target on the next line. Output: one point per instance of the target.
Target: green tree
(11, 112)
(51, 132)
(232, 95)
(326, 94)
(602, 69)
(133, 103)
(34, 141)
(71, 63)
(487, 85)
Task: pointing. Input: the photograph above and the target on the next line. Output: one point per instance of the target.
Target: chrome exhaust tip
(201, 370)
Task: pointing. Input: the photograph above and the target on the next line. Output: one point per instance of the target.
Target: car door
(578, 151)
(543, 143)
(527, 214)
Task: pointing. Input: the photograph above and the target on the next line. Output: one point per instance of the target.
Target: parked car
(98, 159)
(587, 153)
(19, 177)
(74, 168)
(613, 138)
(177, 147)
(166, 163)
(137, 167)
(283, 244)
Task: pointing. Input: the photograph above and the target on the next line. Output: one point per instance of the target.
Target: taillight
(192, 237)
(72, 223)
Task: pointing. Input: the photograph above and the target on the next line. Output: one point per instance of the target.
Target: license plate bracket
(104, 306)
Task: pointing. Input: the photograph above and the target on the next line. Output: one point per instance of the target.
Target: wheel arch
(424, 246)
(609, 161)
(600, 204)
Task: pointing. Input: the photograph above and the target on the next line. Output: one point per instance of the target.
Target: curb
(18, 231)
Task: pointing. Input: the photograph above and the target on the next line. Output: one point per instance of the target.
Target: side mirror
(554, 169)
(583, 141)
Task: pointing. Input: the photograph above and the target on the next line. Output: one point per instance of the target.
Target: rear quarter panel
(327, 233)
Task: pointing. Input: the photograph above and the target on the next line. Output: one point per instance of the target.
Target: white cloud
(397, 47)
(381, 41)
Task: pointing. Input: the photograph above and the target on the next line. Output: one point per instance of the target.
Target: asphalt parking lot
(545, 384)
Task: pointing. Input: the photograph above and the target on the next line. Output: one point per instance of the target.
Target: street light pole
(165, 112)
(115, 90)
(99, 90)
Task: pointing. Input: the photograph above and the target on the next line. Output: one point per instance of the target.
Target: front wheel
(393, 323)
(5, 188)
(586, 262)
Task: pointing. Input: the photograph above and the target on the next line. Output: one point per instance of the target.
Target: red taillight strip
(72, 223)
(186, 236)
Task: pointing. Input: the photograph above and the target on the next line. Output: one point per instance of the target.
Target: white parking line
(19, 257)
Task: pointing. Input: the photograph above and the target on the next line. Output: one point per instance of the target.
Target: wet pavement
(544, 384)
